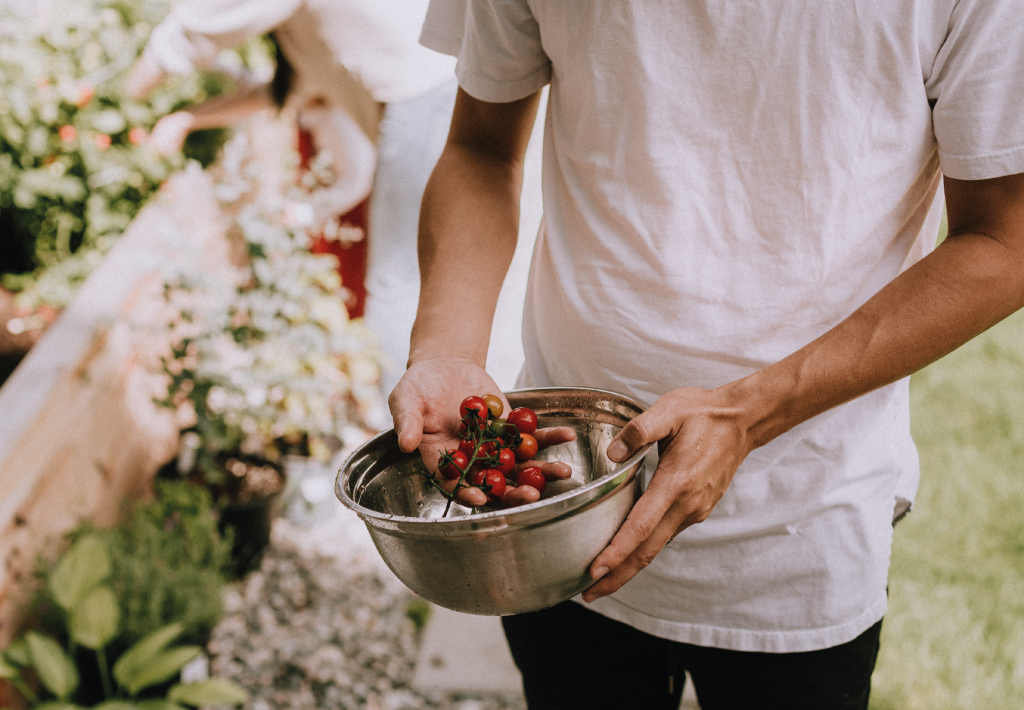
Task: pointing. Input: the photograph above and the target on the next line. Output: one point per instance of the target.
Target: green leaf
(142, 652)
(95, 618)
(214, 691)
(57, 705)
(56, 671)
(116, 705)
(82, 567)
(163, 667)
(17, 653)
(8, 670)
(158, 704)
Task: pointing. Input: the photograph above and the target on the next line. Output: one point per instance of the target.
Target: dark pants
(571, 657)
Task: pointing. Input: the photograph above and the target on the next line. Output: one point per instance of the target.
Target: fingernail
(599, 572)
(617, 450)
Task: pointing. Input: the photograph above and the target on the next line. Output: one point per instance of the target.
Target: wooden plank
(78, 429)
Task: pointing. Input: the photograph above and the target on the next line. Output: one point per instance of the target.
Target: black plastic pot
(249, 525)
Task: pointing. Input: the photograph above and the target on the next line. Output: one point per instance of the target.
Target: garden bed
(80, 432)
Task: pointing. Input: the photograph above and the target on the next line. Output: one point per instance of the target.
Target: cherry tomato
(493, 478)
(488, 449)
(474, 404)
(497, 428)
(467, 447)
(451, 462)
(494, 405)
(506, 461)
(524, 419)
(527, 448)
(532, 476)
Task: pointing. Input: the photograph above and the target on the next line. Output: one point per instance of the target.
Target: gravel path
(323, 624)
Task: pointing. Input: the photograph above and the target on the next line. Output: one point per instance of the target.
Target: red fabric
(351, 256)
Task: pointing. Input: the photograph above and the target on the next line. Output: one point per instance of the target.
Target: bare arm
(971, 281)
(469, 225)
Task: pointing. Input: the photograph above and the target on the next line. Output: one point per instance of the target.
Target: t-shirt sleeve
(498, 45)
(195, 31)
(442, 28)
(977, 85)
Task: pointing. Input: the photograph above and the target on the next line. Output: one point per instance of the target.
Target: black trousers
(571, 657)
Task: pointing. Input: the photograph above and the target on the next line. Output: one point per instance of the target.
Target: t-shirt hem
(492, 91)
(440, 41)
(740, 639)
(983, 167)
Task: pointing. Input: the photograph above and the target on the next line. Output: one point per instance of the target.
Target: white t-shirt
(355, 53)
(723, 183)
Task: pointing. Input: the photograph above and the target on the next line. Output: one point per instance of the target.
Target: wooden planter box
(79, 431)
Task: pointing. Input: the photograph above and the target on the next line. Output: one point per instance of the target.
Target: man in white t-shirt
(741, 200)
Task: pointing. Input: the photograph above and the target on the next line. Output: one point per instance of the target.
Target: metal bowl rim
(494, 515)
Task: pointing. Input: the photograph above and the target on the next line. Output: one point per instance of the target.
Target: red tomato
(490, 477)
(532, 476)
(467, 447)
(527, 448)
(474, 404)
(524, 419)
(487, 450)
(494, 405)
(451, 462)
(506, 461)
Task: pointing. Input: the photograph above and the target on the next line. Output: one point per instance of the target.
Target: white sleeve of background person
(194, 32)
(724, 183)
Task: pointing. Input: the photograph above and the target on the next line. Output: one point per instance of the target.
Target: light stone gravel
(322, 624)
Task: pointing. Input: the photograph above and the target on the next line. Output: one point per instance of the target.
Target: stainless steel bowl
(508, 561)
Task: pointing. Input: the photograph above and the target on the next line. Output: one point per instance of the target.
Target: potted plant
(81, 661)
(268, 366)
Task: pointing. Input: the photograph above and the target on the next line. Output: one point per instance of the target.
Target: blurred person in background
(365, 90)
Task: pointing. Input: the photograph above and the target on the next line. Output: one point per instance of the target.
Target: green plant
(169, 563)
(80, 584)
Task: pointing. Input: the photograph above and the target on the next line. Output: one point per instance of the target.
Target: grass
(954, 634)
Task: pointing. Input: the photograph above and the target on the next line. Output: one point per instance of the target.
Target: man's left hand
(702, 439)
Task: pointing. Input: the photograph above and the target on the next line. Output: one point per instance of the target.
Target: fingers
(647, 518)
(467, 495)
(552, 436)
(624, 570)
(653, 425)
(552, 470)
(519, 495)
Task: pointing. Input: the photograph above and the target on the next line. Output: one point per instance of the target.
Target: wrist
(759, 402)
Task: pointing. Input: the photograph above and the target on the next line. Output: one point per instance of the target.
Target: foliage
(81, 584)
(167, 563)
(954, 633)
(73, 167)
(271, 363)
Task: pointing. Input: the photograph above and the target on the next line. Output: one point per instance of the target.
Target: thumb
(409, 428)
(646, 428)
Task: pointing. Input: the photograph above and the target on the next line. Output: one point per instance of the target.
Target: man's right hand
(425, 409)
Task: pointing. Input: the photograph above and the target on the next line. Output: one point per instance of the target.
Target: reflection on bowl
(504, 561)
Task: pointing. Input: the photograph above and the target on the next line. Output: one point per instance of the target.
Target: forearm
(230, 108)
(469, 224)
(970, 282)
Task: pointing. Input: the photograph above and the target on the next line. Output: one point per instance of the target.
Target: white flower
(297, 215)
(217, 400)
